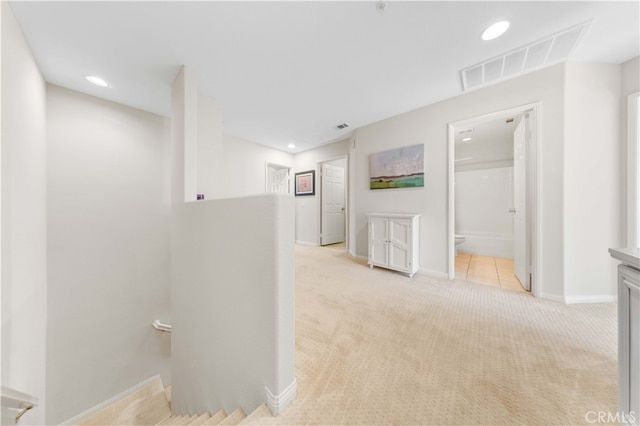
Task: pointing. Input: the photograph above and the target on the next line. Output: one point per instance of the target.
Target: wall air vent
(547, 51)
(342, 126)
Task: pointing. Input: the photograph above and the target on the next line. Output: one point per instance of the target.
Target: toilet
(459, 239)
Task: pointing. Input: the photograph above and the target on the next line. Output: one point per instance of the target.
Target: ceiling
(289, 72)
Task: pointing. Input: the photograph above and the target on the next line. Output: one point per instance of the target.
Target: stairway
(152, 406)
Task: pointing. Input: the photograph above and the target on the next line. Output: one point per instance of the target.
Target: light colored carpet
(374, 347)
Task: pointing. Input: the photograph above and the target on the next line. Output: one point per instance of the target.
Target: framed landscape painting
(397, 168)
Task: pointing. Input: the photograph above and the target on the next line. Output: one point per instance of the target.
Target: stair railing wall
(15, 404)
(233, 304)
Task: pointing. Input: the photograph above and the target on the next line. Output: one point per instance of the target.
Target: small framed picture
(306, 183)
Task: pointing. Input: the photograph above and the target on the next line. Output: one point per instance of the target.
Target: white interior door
(333, 219)
(280, 182)
(520, 245)
(278, 178)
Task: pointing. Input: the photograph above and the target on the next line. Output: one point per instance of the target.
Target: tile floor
(493, 271)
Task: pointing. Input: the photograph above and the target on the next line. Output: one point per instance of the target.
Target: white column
(184, 136)
(209, 161)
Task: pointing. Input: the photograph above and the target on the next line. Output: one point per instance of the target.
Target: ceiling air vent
(509, 120)
(342, 126)
(547, 51)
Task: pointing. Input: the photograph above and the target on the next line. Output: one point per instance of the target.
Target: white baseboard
(598, 298)
(551, 296)
(433, 273)
(78, 417)
(277, 403)
(306, 243)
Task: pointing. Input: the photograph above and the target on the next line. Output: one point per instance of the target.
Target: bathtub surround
(483, 200)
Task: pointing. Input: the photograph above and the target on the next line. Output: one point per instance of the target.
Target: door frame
(268, 164)
(533, 161)
(346, 197)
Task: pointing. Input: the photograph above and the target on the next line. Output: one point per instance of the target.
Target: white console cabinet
(394, 241)
(628, 334)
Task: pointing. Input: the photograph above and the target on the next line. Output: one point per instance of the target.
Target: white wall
(630, 80)
(232, 302)
(592, 147)
(428, 126)
(308, 206)
(245, 166)
(108, 249)
(630, 83)
(24, 210)
(483, 200)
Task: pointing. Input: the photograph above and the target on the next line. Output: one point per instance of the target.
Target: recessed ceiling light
(291, 146)
(97, 81)
(466, 139)
(495, 30)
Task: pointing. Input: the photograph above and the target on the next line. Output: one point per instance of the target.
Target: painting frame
(305, 183)
(399, 168)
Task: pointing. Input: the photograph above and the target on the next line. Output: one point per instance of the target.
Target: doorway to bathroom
(492, 199)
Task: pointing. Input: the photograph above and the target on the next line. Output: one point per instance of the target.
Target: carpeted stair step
(258, 415)
(110, 414)
(175, 421)
(234, 418)
(200, 419)
(188, 419)
(167, 421)
(147, 411)
(216, 418)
